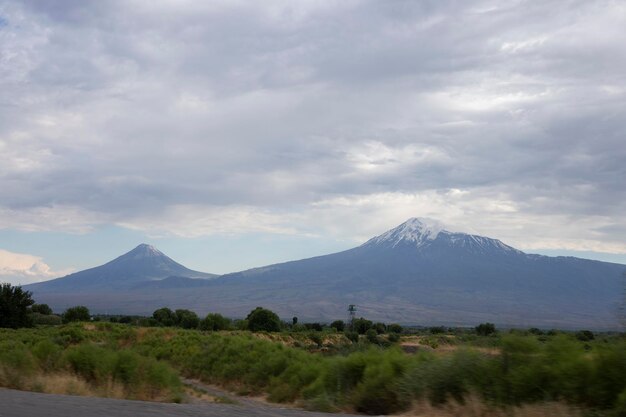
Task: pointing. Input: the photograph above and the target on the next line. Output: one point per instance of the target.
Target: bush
(164, 316)
(352, 336)
(361, 325)
(47, 354)
(338, 325)
(437, 330)
(214, 322)
(313, 326)
(372, 336)
(41, 309)
(485, 329)
(49, 320)
(394, 328)
(187, 319)
(261, 319)
(585, 335)
(78, 313)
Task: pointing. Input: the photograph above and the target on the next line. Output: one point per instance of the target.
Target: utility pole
(351, 315)
(622, 307)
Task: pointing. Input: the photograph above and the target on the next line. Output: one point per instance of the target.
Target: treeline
(259, 319)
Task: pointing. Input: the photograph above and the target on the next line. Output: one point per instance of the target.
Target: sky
(232, 134)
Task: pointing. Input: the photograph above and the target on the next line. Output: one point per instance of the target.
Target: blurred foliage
(504, 369)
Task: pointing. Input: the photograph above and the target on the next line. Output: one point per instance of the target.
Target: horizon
(438, 225)
(235, 135)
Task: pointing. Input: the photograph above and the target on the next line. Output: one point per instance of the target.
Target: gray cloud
(130, 112)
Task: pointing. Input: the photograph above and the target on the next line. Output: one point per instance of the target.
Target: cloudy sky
(233, 134)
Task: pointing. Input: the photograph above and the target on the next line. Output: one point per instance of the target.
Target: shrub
(585, 335)
(437, 330)
(261, 319)
(485, 329)
(372, 336)
(380, 327)
(338, 325)
(214, 322)
(78, 313)
(352, 336)
(187, 319)
(41, 309)
(313, 326)
(50, 320)
(164, 316)
(47, 354)
(394, 328)
(361, 325)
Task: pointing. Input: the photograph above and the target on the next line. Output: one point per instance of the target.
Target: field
(434, 372)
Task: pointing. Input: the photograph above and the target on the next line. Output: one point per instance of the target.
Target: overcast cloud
(321, 118)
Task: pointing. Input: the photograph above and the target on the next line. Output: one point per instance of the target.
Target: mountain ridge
(414, 273)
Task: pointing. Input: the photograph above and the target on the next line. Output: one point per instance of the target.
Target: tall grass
(523, 375)
(65, 361)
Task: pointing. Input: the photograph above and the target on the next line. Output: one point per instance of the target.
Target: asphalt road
(31, 404)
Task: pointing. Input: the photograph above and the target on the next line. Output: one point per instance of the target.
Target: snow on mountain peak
(145, 251)
(417, 229)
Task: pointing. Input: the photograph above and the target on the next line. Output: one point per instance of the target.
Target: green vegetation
(385, 369)
(262, 319)
(71, 359)
(15, 306)
(135, 362)
(78, 313)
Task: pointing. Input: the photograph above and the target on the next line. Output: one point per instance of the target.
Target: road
(31, 404)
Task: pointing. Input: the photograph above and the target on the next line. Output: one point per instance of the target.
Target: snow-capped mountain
(422, 233)
(419, 272)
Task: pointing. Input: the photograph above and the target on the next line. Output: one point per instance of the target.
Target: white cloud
(326, 118)
(21, 268)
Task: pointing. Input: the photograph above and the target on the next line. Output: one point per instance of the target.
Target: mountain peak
(422, 233)
(416, 230)
(145, 251)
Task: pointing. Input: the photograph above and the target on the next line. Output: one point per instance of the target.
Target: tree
(14, 307)
(214, 322)
(485, 329)
(262, 319)
(338, 325)
(294, 321)
(394, 328)
(41, 309)
(313, 326)
(371, 335)
(164, 316)
(187, 319)
(585, 335)
(78, 313)
(380, 328)
(361, 325)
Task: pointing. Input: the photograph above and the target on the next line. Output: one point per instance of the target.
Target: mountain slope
(418, 272)
(142, 264)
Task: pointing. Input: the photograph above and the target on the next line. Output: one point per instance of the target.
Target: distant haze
(238, 134)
